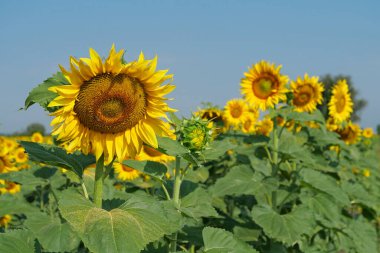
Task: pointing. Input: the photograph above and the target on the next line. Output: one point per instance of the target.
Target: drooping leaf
(53, 235)
(217, 240)
(286, 228)
(56, 156)
(42, 95)
(363, 236)
(126, 228)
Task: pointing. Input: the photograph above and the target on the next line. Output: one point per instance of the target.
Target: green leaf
(154, 169)
(286, 228)
(247, 234)
(363, 236)
(197, 204)
(42, 95)
(53, 155)
(24, 177)
(51, 233)
(326, 184)
(171, 147)
(241, 180)
(10, 204)
(217, 149)
(17, 241)
(218, 240)
(126, 228)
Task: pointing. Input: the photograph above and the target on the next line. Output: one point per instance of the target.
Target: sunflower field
(122, 172)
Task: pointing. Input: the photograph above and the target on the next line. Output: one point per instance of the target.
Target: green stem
(176, 198)
(275, 161)
(98, 186)
(84, 190)
(165, 191)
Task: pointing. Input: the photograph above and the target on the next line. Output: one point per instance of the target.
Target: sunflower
(4, 220)
(264, 86)
(37, 137)
(6, 164)
(248, 123)
(151, 154)
(264, 127)
(212, 114)
(111, 108)
(125, 173)
(340, 105)
(20, 155)
(307, 93)
(234, 112)
(9, 187)
(350, 134)
(331, 124)
(367, 132)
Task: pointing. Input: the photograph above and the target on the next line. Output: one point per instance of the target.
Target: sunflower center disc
(340, 103)
(263, 88)
(236, 112)
(110, 103)
(303, 96)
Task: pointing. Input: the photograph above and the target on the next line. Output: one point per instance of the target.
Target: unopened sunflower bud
(195, 134)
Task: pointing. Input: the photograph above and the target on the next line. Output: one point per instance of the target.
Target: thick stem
(176, 198)
(275, 161)
(98, 186)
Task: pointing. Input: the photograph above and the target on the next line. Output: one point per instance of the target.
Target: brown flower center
(303, 95)
(264, 87)
(110, 103)
(340, 103)
(151, 151)
(236, 111)
(127, 169)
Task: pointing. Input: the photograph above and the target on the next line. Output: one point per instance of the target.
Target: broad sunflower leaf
(217, 240)
(56, 156)
(10, 204)
(241, 180)
(17, 241)
(217, 149)
(42, 95)
(326, 184)
(197, 204)
(154, 169)
(52, 234)
(363, 236)
(286, 228)
(171, 147)
(24, 177)
(129, 227)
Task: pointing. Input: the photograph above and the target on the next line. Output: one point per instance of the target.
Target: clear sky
(207, 45)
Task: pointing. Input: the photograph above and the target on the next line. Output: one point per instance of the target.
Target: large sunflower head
(264, 86)
(307, 93)
(234, 112)
(109, 107)
(340, 105)
(350, 134)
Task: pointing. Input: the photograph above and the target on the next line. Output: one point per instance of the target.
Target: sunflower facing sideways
(109, 107)
(307, 93)
(264, 86)
(340, 105)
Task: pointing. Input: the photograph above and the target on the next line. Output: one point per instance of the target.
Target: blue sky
(207, 45)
